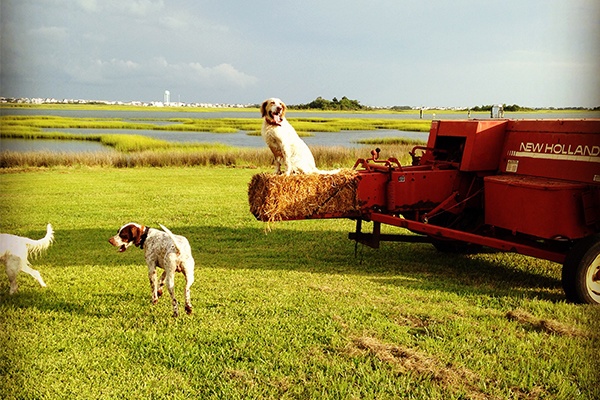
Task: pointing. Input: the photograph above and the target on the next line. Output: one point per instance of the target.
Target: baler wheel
(581, 272)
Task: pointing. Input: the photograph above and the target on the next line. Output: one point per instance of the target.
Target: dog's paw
(188, 309)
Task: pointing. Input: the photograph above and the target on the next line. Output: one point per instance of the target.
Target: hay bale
(282, 197)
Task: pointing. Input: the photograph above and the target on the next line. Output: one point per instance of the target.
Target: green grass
(120, 142)
(393, 141)
(190, 156)
(285, 313)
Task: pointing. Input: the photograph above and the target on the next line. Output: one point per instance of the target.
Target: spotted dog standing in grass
(14, 253)
(161, 249)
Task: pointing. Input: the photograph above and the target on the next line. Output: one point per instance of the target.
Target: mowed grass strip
(288, 312)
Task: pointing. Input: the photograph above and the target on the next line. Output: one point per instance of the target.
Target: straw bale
(286, 197)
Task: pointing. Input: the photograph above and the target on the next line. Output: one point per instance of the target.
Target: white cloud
(138, 8)
(190, 24)
(172, 22)
(52, 33)
(159, 71)
(88, 5)
(218, 75)
(103, 72)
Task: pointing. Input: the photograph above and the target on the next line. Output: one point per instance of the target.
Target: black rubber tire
(581, 272)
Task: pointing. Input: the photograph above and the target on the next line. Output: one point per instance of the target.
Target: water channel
(238, 139)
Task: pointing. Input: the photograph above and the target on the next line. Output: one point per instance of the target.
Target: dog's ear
(283, 109)
(126, 234)
(136, 233)
(130, 233)
(263, 108)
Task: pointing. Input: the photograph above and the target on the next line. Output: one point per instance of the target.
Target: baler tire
(580, 269)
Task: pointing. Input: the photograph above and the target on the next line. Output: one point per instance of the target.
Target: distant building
(497, 111)
(167, 98)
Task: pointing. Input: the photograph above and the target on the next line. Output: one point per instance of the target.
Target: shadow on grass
(324, 252)
(56, 300)
(37, 298)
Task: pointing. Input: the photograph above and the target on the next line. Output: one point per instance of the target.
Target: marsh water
(238, 139)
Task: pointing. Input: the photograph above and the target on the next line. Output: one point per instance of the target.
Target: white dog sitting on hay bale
(283, 140)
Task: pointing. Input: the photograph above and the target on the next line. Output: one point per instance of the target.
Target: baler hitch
(373, 163)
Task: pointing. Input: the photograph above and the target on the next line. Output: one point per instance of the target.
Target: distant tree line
(506, 107)
(345, 104)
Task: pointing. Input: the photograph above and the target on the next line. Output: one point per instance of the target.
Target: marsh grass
(289, 313)
(142, 151)
(215, 125)
(357, 124)
(138, 150)
(119, 142)
(213, 155)
(392, 141)
(56, 122)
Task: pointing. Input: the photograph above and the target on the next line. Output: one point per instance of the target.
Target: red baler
(525, 186)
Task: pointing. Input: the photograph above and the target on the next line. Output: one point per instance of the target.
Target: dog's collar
(271, 122)
(143, 237)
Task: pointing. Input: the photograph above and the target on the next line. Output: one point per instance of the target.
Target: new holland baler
(526, 186)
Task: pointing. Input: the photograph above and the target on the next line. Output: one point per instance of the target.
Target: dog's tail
(172, 236)
(35, 247)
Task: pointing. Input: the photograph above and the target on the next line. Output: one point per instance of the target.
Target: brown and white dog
(281, 137)
(162, 249)
(14, 253)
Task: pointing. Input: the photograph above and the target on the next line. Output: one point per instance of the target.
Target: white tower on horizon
(167, 98)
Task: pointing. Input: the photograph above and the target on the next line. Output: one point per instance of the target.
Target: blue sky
(462, 53)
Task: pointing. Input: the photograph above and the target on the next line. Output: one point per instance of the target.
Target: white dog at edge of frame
(15, 251)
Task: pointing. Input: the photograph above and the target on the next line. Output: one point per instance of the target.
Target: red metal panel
(557, 149)
(483, 148)
(482, 144)
(540, 207)
(371, 190)
(419, 190)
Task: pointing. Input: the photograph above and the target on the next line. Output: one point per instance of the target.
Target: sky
(461, 53)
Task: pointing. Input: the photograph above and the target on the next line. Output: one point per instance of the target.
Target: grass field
(288, 312)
